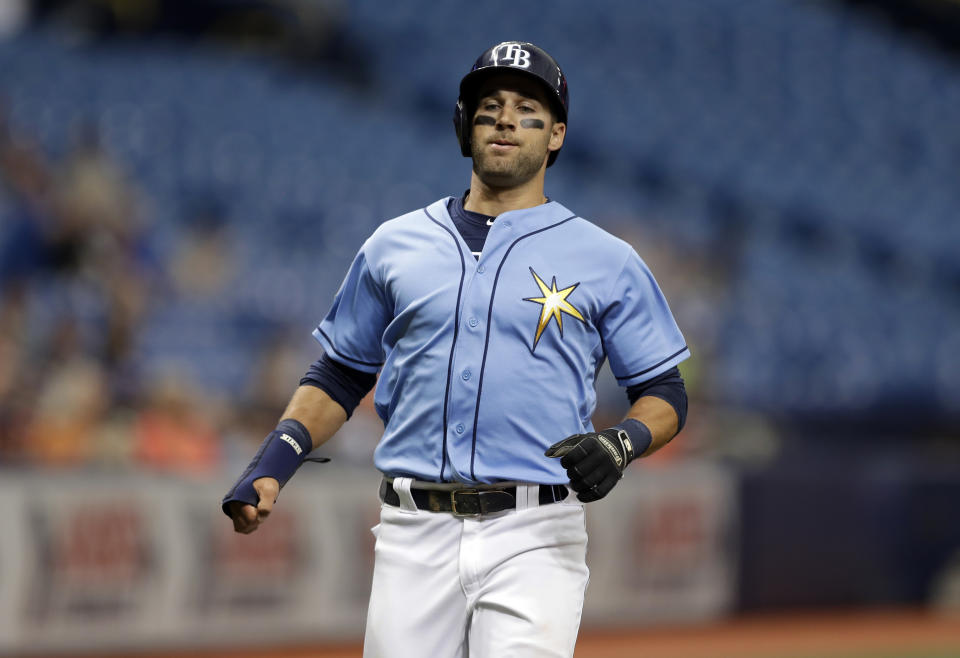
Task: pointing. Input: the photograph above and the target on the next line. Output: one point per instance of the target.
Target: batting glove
(595, 461)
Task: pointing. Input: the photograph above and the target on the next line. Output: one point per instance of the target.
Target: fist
(246, 517)
(594, 461)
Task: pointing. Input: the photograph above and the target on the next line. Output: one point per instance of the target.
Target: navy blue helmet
(516, 57)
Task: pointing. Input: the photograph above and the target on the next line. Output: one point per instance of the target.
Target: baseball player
(487, 317)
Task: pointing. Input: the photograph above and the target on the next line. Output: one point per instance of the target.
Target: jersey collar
(521, 221)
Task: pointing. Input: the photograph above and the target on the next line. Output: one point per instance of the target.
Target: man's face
(513, 131)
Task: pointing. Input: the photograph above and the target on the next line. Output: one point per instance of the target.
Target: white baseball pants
(507, 585)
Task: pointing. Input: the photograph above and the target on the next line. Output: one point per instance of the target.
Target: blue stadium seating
(835, 135)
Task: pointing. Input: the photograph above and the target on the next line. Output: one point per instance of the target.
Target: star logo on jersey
(553, 305)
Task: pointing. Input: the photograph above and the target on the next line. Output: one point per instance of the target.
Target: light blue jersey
(486, 363)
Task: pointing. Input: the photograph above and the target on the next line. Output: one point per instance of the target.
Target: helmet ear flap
(461, 124)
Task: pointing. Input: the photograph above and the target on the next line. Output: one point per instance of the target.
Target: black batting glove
(594, 461)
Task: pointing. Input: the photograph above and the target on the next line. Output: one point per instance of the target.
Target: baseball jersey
(484, 363)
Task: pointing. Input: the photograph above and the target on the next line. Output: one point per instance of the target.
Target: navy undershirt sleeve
(342, 383)
(669, 387)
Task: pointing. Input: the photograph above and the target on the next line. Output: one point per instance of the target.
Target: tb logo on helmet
(520, 57)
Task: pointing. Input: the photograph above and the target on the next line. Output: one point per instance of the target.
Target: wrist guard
(279, 457)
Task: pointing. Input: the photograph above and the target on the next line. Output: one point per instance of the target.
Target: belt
(470, 502)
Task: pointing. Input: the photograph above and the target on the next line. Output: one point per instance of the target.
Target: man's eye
(526, 108)
(491, 106)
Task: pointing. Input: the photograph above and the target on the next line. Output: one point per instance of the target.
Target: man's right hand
(246, 517)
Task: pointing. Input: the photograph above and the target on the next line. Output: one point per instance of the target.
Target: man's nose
(507, 118)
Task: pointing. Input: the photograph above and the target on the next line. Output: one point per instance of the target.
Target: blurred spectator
(277, 369)
(24, 255)
(203, 264)
(99, 243)
(279, 366)
(71, 402)
(26, 179)
(73, 290)
(258, 405)
(175, 431)
(96, 206)
(15, 402)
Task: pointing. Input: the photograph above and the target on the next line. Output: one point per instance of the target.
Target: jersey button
(460, 428)
(481, 269)
(473, 322)
(466, 375)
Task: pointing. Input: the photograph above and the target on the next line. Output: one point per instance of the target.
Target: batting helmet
(516, 57)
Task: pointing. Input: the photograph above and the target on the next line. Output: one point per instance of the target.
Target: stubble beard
(499, 171)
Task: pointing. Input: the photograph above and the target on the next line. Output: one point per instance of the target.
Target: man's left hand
(594, 461)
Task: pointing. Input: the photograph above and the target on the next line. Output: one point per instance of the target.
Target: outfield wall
(105, 561)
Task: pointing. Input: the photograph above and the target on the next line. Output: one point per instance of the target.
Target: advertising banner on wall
(110, 562)
(663, 547)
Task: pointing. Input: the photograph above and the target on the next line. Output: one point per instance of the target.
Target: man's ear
(557, 133)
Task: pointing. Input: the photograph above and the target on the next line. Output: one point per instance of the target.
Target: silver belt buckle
(453, 502)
